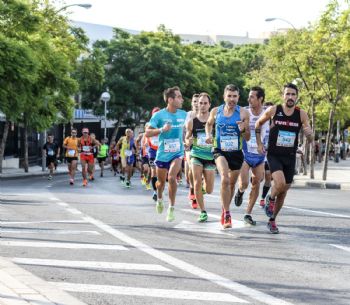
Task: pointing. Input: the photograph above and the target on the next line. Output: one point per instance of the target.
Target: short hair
(268, 104)
(231, 87)
(50, 135)
(205, 94)
(260, 92)
(291, 86)
(73, 129)
(196, 95)
(170, 93)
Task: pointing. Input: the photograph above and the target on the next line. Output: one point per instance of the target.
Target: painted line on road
(88, 264)
(48, 231)
(182, 265)
(318, 212)
(151, 292)
(341, 247)
(62, 245)
(73, 211)
(42, 221)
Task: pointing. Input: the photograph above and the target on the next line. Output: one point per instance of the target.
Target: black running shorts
(284, 163)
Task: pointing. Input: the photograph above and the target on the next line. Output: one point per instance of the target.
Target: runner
(71, 146)
(86, 145)
(153, 143)
(252, 159)
(231, 125)
(202, 159)
(126, 148)
(188, 169)
(142, 151)
(114, 157)
(287, 120)
(52, 152)
(95, 150)
(102, 155)
(168, 123)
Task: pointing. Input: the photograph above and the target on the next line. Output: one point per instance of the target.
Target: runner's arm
(245, 129)
(267, 115)
(189, 133)
(306, 126)
(209, 125)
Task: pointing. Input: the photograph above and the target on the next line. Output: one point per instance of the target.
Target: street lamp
(105, 97)
(84, 5)
(276, 18)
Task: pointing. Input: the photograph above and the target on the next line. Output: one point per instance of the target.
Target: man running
(52, 152)
(202, 159)
(71, 146)
(102, 155)
(231, 125)
(168, 123)
(286, 122)
(252, 159)
(86, 146)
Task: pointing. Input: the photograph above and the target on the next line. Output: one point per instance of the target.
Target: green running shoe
(170, 217)
(159, 206)
(203, 217)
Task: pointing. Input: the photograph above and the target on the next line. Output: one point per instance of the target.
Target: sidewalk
(338, 175)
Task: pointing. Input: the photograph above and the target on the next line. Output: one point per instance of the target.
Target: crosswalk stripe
(61, 245)
(341, 247)
(88, 264)
(151, 292)
(73, 221)
(47, 231)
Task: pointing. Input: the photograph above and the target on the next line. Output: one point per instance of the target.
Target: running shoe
(143, 182)
(84, 182)
(179, 181)
(238, 198)
(273, 227)
(269, 206)
(127, 184)
(160, 206)
(49, 178)
(71, 181)
(170, 215)
(203, 217)
(154, 197)
(191, 196)
(262, 203)
(148, 186)
(91, 178)
(227, 222)
(249, 220)
(222, 216)
(194, 204)
(101, 175)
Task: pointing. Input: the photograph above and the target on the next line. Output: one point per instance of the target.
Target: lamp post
(84, 5)
(276, 18)
(105, 97)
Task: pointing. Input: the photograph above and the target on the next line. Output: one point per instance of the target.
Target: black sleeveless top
(284, 131)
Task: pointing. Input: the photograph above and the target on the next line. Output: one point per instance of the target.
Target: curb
(321, 185)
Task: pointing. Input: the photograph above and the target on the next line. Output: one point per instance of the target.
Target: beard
(289, 105)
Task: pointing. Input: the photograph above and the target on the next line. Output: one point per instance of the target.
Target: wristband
(161, 130)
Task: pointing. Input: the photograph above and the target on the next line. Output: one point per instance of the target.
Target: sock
(154, 181)
(265, 191)
(204, 211)
(227, 212)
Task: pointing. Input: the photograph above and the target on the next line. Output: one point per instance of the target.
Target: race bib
(201, 140)
(171, 145)
(50, 152)
(155, 141)
(115, 157)
(71, 153)
(86, 148)
(229, 143)
(285, 138)
(252, 144)
(128, 152)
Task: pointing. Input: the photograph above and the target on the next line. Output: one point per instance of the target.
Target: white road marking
(150, 292)
(62, 245)
(48, 231)
(182, 265)
(318, 212)
(341, 247)
(62, 204)
(88, 264)
(208, 227)
(236, 224)
(43, 221)
(73, 211)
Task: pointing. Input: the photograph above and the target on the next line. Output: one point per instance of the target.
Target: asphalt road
(106, 245)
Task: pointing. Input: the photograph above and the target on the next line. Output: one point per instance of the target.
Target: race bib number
(171, 145)
(229, 143)
(71, 153)
(252, 144)
(86, 148)
(115, 157)
(155, 141)
(285, 138)
(50, 152)
(201, 140)
(128, 152)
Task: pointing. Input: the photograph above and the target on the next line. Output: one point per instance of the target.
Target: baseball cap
(155, 109)
(85, 130)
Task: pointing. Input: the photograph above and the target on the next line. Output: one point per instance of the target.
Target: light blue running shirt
(170, 142)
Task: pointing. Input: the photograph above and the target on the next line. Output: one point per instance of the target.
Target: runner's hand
(261, 149)
(166, 127)
(209, 140)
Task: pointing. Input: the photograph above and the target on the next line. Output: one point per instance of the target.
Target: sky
(205, 17)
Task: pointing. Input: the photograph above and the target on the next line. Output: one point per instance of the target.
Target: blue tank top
(227, 134)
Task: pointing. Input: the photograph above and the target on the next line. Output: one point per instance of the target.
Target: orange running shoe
(84, 182)
(227, 223)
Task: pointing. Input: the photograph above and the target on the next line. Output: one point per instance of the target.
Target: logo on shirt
(280, 114)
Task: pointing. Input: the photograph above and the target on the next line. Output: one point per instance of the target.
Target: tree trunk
(328, 141)
(312, 154)
(3, 142)
(26, 159)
